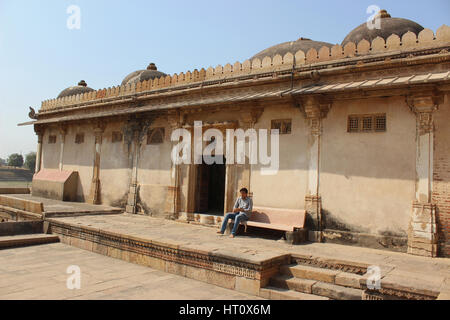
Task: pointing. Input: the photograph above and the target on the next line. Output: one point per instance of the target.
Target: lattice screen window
(156, 136)
(366, 123)
(79, 138)
(353, 124)
(52, 139)
(284, 126)
(116, 137)
(380, 123)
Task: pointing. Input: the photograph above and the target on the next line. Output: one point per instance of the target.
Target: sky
(40, 55)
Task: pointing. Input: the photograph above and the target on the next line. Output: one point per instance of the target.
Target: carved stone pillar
(173, 191)
(94, 195)
(62, 134)
(249, 116)
(422, 233)
(314, 110)
(135, 132)
(40, 133)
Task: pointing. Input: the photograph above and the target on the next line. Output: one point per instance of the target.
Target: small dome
(143, 75)
(301, 44)
(389, 26)
(71, 91)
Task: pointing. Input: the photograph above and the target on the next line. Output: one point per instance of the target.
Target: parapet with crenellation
(409, 41)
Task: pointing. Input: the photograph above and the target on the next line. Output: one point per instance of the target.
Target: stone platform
(19, 207)
(245, 264)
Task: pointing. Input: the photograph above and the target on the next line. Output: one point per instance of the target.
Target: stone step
(310, 273)
(291, 283)
(273, 293)
(27, 240)
(336, 292)
(314, 287)
(340, 278)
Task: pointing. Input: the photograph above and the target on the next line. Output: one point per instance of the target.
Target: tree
(15, 160)
(30, 161)
(2, 162)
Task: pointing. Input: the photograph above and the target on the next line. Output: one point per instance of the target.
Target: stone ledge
(223, 268)
(19, 215)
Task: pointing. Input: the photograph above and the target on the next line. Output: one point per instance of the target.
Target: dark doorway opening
(210, 196)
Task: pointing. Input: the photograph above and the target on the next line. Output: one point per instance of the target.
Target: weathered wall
(115, 168)
(441, 178)
(287, 189)
(80, 157)
(50, 152)
(154, 172)
(367, 179)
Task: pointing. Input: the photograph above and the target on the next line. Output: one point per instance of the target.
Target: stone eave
(381, 87)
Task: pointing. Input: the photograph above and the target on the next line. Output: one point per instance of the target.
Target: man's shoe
(219, 232)
(232, 236)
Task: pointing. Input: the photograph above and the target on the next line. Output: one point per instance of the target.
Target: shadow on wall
(332, 222)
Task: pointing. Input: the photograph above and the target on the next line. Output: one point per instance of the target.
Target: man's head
(244, 193)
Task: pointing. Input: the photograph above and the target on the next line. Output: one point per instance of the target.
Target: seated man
(242, 211)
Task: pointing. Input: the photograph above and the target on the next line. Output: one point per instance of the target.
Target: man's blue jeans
(237, 217)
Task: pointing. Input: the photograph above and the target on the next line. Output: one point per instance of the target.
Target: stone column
(94, 195)
(173, 191)
(132, 194)
(62, 134)
(314, 109)
(40, 134)
(422, 233)
(249, 116)
(136, 130)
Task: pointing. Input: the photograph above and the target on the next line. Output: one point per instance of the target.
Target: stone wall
(441, 177)
(367, 179)
(286, 189)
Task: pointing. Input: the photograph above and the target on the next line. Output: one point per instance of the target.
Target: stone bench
(55, 184)
(291, 221)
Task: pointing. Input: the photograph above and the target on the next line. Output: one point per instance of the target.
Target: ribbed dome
(143, 75)
(71, 91)
(389, 26)
(301, 44)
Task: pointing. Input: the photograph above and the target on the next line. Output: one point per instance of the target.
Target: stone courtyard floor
(39, 273)
(401, 268)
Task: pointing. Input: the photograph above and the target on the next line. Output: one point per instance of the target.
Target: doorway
(210, 186)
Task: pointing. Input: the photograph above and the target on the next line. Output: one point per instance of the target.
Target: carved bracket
(136, 128)
(424, 105)
(314, 109)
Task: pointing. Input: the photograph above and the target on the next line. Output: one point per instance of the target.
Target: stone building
(364, 141)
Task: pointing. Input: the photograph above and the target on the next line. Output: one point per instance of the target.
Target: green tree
(15, 160)
(30, 161)
(2, 162)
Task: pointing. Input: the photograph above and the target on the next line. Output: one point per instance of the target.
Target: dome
(142, 75)
(292, 47)
(71, 91)
(389, 26)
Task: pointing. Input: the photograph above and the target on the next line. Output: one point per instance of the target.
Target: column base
(422, 233)
(313, 207)
(172, 202)
(94, 196)
(132, 197)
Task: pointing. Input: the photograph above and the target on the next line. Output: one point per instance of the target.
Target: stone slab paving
(422, 272)
(39, 272)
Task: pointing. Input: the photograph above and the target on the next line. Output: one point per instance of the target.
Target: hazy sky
(40, 56)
